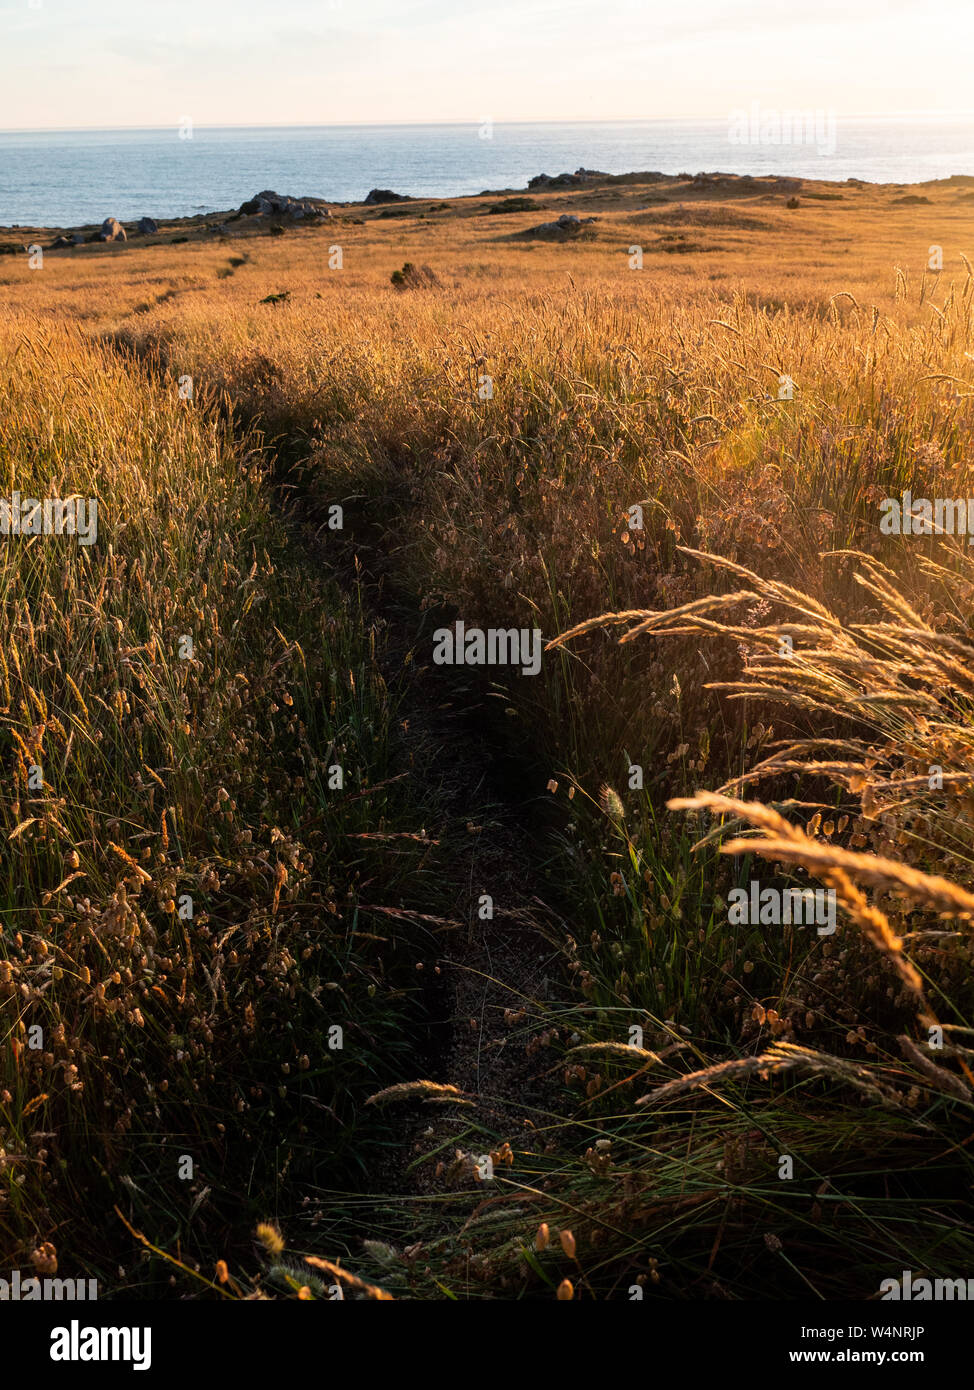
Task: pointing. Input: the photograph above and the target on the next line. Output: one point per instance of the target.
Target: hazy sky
(67, 63)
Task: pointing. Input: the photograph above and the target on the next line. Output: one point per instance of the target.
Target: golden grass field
(797, 683)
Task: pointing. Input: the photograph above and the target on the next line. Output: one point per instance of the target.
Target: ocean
(65, 179)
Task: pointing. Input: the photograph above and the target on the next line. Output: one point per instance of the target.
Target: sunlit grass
(609, 389)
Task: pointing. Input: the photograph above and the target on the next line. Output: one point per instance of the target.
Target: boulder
(61, 241)
(385, 195)
(271, 204)
(112, 230)
(565, 228)
(147, 227)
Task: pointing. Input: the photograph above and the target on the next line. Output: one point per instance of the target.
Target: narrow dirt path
(485, 990)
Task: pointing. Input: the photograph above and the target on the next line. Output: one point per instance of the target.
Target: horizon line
(936, 113)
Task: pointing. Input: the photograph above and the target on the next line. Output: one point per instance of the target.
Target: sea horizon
(932, 114)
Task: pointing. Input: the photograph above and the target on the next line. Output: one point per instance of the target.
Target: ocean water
(56, 178)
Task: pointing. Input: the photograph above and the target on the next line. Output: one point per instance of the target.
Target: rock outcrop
(580, 176)
(112, 230)
(385, 195)
(270, 204)
(566, 228)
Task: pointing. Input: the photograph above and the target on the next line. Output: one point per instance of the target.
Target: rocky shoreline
(273, 212)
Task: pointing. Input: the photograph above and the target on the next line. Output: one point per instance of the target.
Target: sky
(105, 63)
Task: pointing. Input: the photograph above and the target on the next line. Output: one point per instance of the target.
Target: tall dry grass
(178, 880)
(760, 522)
(514, 511)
